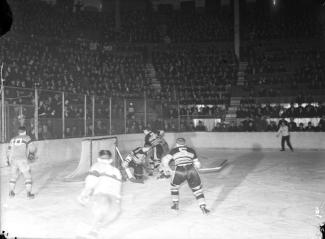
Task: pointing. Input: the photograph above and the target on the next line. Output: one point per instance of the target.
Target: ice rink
(259, 194)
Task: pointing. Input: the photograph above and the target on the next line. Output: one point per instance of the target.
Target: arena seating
(57, 48)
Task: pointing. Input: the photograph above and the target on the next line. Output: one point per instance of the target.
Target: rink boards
(69, 149)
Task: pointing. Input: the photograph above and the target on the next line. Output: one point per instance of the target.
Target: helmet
(180, 141)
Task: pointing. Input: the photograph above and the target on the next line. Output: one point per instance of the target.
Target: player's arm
(31, 151)
(196, 161)
(165, 163)
(9, 152)
(90, 184)
(147, 139)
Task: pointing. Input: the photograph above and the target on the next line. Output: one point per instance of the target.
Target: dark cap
(105, 153)
(22, 129)
(180, 141)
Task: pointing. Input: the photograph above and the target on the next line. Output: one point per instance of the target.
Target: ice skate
(204, 209)
(30, 195)
(12, 194)
(175, 206)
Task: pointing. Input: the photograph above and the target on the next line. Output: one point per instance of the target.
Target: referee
(284, 132)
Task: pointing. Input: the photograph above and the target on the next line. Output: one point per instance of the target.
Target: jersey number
(183, 149)
(18, 141)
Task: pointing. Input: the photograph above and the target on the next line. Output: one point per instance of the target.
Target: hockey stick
(127, 170)
(214, 169)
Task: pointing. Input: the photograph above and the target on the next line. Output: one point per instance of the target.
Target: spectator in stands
(310, 110)
(68, 132)
(290, 112)
(292, 125)
(200, 126)
(272, 126)
(224, 127)
(46, 134)
(301, 127)
(260, 124)
(309, 127)
(248, 125)
(217, 127)
(320, 127)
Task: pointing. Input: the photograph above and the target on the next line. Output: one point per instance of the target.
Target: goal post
(90, 148)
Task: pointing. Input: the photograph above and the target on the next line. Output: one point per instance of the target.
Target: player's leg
(26, 171)
(178, 178)
(165, 148)
(155, 153)
(14, 174)
(150, 162)
(194, 182)
(158, 153)
(289, 143)
(282, 143)
(161, 152)
(105, 209)
(138, 172)
(90, 182)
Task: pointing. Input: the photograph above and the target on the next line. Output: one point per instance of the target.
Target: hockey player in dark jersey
(159, 147)
(137, 159)
(21, 151)
(186, 165)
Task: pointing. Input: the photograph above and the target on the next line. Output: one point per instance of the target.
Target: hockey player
(136, 159)
(103, 188)
(159, 146)
(21, 151)
(186, 165)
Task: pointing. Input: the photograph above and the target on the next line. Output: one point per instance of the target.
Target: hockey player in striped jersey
(158, 144)
(137, 159)
(186, 165)
(21, 151)
(103, 187)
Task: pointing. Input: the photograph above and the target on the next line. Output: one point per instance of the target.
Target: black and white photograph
(162, 119)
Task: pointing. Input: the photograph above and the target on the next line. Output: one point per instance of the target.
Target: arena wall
(69, 149)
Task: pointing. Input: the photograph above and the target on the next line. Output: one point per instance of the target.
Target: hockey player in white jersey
(21, 152)
(103, 191)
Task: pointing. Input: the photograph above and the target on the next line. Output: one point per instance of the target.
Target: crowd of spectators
(264, 124)
(258, 25)
(280, 111)
(272, 71)
(193, 74)
(57, 47)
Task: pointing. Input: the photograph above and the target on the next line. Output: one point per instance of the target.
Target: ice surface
(259, 194)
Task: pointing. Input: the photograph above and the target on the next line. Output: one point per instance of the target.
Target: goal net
(90, 148)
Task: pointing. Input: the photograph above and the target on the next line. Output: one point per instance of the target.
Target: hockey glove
(31, 157)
